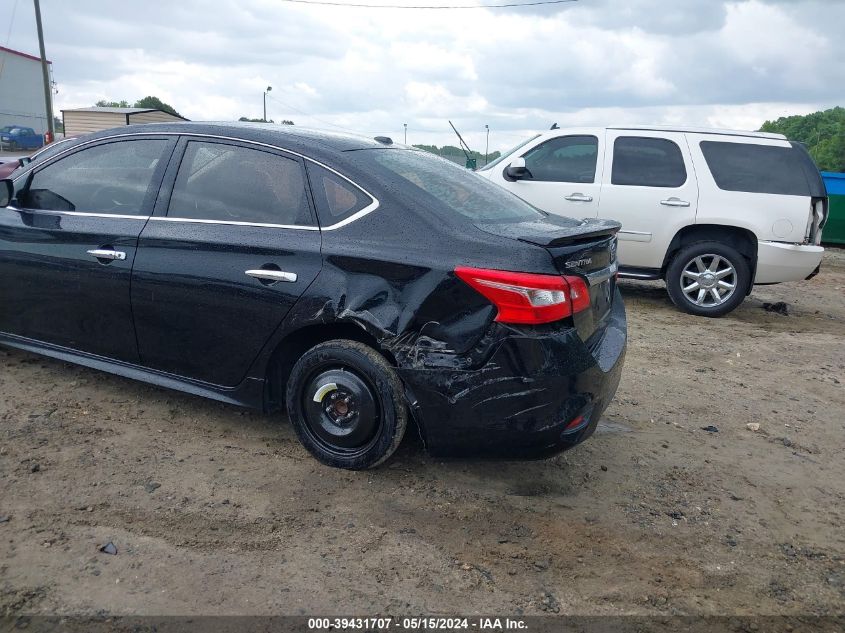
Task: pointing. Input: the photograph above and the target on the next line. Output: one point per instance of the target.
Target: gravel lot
(217, 510)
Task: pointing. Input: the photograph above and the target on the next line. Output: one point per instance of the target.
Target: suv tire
(347, 404)
(708, 279)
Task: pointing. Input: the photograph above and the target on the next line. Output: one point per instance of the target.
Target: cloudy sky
(701, 62)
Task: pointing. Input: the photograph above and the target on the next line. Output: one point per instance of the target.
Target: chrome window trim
(332, 227)
(85, 214)
(158, 218)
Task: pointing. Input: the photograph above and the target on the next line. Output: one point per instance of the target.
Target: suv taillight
(528, 298)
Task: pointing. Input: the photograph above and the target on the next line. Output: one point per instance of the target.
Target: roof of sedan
(286, 136)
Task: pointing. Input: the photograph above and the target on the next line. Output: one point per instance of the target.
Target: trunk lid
(586, 248)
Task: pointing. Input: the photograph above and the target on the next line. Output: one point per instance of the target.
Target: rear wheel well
(296, 343)
(742, 240)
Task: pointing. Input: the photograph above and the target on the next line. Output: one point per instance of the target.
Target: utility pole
(487, 145)
(45, 71)
(406, 133)
(269, 88)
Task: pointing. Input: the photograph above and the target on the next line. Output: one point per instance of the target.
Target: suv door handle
(264, 274)
(105, 253)
(578, 197)
(674, 202)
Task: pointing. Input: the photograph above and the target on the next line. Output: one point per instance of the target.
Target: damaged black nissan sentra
(359, 283)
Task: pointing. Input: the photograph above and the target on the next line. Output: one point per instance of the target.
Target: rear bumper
(520, 401)
(777, 262)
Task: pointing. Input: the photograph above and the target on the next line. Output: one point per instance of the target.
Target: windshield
(492, 164)
(455, 188)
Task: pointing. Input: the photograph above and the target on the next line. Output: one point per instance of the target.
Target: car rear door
(232, 245)
(564, 174)
(68, 244)
(650, 187)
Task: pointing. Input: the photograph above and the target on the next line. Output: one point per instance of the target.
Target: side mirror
(517, 170)
(23, 162)
(7, 192)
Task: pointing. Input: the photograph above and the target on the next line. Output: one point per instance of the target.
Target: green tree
(153, 103)
(102, 103)
(451, 150)
(822, 132)
(157, 104)
(282, 122)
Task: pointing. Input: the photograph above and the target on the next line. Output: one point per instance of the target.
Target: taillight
(528, 297)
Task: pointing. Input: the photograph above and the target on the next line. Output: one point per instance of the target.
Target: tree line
(823, 133)
(451, 150)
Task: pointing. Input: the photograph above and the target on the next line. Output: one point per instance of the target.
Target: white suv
(712, 212)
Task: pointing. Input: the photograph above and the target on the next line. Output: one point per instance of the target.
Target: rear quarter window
(756, 168)
(336, 198)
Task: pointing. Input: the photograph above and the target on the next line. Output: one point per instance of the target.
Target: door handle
(674, 202)
(105, 253)
(578, 197)
(271, 275)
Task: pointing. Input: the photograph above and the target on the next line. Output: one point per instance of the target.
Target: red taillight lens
(579, 293)
(528, 297)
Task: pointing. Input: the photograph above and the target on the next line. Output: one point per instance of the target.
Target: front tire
(346, 404)
(708, 279)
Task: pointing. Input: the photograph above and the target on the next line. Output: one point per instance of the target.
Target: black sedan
(361, 284)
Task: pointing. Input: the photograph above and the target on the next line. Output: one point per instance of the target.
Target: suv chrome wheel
(708, 280)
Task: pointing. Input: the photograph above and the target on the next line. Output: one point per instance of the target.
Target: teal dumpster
(834, 230)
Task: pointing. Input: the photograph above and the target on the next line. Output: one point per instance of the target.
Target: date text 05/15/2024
(417, 624)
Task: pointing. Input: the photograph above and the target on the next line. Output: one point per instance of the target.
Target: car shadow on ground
(160, 408)
(651, 292)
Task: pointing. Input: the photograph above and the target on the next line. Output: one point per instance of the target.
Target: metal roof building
(79, 121)
(21, 90)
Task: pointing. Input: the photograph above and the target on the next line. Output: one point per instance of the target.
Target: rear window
(455, 188)
(647, 162)
(756, 168)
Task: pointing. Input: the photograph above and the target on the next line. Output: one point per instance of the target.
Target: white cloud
(708, 62)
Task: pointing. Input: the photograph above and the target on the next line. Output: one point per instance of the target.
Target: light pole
(269, 88)
(487, 145)
(406, 133)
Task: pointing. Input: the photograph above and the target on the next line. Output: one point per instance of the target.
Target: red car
(7, 166)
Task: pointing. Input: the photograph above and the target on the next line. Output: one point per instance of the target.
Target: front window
(454, 189)
(564, 159)
(507, 154)
(110, 178)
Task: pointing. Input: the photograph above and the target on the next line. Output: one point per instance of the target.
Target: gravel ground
(216, 510)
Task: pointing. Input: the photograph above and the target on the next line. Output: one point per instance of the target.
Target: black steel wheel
(346, 403)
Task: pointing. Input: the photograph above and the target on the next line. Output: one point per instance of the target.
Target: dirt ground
(216, 510)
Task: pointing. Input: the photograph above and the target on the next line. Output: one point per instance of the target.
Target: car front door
(232, 245)
(68, 242)
(563, 177)
(650, 187)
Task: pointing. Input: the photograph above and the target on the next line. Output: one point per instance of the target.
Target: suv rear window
(756, 168)
(647, 162)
